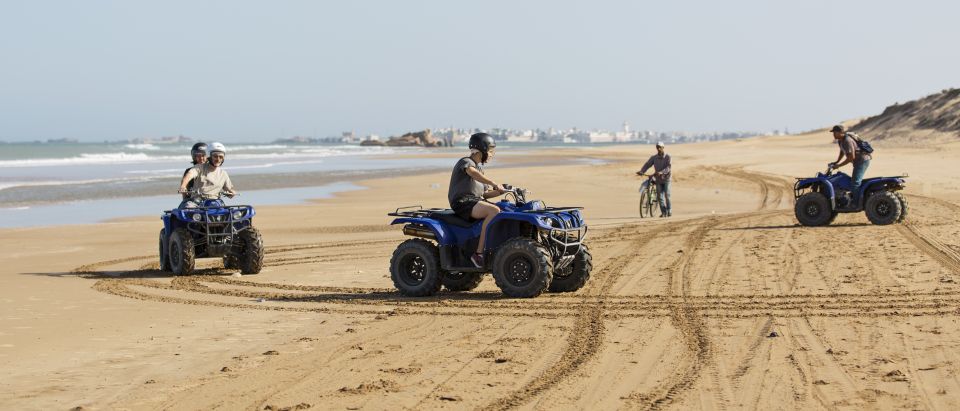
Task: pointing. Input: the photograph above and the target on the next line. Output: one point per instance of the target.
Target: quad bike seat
(449, 217)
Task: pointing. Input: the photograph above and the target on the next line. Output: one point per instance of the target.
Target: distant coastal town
(452, 136)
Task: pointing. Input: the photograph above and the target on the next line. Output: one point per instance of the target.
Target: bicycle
(649, 197)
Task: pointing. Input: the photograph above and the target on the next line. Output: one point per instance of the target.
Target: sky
(260, 70)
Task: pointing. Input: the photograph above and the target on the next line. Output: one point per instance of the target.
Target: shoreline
(295, 189)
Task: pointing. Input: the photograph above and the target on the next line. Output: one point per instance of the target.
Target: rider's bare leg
(485, 211)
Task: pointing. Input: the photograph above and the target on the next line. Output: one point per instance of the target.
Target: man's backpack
(862, 145)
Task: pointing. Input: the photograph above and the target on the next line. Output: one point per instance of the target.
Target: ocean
(51, 184)
(84, 183)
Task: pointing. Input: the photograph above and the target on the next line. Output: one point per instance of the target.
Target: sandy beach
(728, 304)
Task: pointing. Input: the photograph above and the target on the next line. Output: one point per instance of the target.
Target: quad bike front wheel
(573, 277)
(522, 268)
(230, 262)
(180, 252)
(813, 210)
(415, 268)
(461, 281)
(164, 261)
(251, 261)
(883, 208)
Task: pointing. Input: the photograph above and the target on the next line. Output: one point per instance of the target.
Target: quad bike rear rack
(416, 211)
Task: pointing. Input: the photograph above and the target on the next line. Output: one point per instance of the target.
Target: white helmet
(659, 144)
(217, 146)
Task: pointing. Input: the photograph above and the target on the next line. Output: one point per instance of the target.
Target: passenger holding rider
(661, 177)
(198, 153)
(850, 149)
(469, 187)
(210, 179)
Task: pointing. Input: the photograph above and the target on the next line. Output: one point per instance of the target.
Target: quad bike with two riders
(213, 230)
(530, 248)
(819, 199)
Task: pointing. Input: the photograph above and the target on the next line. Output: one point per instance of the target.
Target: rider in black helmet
(469, 187)
(198, 154)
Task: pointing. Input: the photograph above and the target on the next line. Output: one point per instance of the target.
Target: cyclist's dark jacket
(660, 165)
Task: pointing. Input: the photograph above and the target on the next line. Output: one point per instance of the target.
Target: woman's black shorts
(463, 206)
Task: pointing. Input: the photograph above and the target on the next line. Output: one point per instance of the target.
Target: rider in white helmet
(210, 179)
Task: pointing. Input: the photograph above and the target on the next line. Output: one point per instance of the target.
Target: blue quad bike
(821, 198)
(214, 230)
(530, 248)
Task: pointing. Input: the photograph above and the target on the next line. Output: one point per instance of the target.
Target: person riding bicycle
(851, 150)
(469, 187)
(661, 177)
(211, 179)
(198, 155)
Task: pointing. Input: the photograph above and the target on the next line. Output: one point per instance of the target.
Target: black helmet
(199, 148)
(482, 142)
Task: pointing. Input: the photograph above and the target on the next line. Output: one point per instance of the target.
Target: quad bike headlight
(549, 222)
(196, 217)
(237, 215)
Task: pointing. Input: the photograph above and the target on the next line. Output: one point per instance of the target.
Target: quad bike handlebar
(195, 195)
(519, 194)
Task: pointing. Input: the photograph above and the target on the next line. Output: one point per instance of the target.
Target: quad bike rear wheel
(164, 261)
(574, 276)
(883, 208)
(461, 281)
(415, 268)
(522, 268)
(251, 261)
(904, 206)
(813, 210)
(181, 252)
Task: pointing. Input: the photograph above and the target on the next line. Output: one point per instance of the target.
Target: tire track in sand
(873, 304)
(588, 329)
(931, 246)
(688, 322)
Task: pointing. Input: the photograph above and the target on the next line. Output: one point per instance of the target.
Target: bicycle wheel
(652, 200)
(647, 201)
(643, 203)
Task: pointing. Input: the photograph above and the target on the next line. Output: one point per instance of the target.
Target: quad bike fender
(880, 184)
(534, 219)
(507, 225)
(443, 237)
(823, 182)
(167, 224)
(888, 183)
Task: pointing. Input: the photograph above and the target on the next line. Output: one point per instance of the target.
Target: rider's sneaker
(477, 260)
